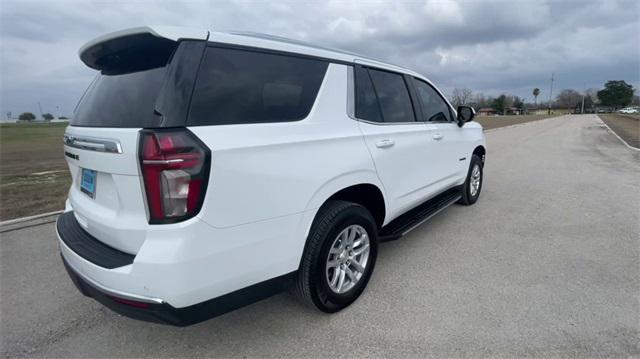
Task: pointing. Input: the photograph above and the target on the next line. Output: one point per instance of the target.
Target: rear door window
(367, 106)
(393, 95)
(236, 86)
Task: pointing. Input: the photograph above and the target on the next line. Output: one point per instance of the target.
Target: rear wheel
(473, 184)
(339, 257)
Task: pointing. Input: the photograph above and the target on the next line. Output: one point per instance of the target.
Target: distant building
(537, 111)
(512, 111)
(486, 111)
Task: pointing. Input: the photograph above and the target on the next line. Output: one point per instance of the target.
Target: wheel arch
(362, 187)
(367, 195)
(481, 152)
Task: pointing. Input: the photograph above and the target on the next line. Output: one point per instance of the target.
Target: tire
(469, 196)
(314, 283)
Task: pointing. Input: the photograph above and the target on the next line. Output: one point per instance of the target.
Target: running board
(415, 217)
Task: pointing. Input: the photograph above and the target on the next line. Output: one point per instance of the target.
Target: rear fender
(324, 193)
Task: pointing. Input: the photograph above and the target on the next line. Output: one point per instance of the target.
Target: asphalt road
(545, 264)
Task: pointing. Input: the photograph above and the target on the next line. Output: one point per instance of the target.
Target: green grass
(26, 150)
(20, 132)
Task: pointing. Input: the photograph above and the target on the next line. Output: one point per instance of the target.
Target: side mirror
(465, 114)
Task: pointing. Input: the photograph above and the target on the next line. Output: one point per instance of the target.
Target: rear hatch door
(144, 82)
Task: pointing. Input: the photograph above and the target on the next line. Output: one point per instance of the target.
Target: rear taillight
(175, 169)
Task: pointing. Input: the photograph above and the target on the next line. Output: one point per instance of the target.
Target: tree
(499, 104)
(480, 101)
(592, 94)
(536, 92)
(63, 118)
(568, 98)
(588, 102)
(518, 102)
(27, 116)
(47, 116)
(461, 97)
(616, 94)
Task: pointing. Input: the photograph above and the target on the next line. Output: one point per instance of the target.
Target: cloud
(488, 46)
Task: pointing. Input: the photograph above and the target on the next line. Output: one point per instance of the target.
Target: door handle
(385, 143)
(437, 136)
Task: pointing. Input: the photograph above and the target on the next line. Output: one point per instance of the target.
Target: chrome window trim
(389, 123)
(351, 92)
(351, 102)
(92, 143)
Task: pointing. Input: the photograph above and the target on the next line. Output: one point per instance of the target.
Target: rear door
(399, 145)
(101, 143)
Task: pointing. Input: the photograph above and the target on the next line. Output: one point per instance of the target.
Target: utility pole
(584, 91)
(550, 96)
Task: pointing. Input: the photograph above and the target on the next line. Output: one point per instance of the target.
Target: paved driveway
(545, 264)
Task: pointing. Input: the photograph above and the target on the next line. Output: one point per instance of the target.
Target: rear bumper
(147, 288)
(160, 312)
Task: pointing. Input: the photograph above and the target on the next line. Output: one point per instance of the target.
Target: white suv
(211, 170)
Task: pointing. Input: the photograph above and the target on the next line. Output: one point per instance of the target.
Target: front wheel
(339, 256)
(473, 184)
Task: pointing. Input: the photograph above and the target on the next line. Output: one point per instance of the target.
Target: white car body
(266, 184)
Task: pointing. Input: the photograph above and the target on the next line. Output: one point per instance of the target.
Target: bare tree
(481, 101)
(461, 97)
(593, 94)
(568, 98)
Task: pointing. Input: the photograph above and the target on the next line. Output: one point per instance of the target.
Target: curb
(620, 138)
(29, 218)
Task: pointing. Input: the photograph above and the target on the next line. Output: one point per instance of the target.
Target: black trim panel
(167, 314)
(87, 246)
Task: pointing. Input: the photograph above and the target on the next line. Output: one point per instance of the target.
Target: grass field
(626, 126)
(33, 173)
(489, 122)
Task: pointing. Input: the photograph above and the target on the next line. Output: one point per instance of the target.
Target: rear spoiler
(112, 52)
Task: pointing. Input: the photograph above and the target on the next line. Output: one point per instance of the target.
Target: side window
(240, 86)
(393, 95)
(434, 108)
(367, 107)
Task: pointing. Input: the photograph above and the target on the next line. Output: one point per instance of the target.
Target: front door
(447, 136)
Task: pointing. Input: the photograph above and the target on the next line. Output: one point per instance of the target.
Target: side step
(415, 217)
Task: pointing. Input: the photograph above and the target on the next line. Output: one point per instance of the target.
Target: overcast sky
(487, 46)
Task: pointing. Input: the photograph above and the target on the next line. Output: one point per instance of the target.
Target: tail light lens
(175, 169)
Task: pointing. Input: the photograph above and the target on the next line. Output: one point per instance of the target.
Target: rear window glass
(241, 86)
(125, 100)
